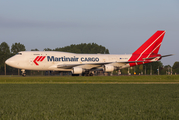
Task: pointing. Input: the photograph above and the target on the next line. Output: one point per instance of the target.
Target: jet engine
(108, 68)
(77, 70)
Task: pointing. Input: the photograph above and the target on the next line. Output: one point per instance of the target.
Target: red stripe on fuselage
(39, 58)
(42, 58)
(36, 60)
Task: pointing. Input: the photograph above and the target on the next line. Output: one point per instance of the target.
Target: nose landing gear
(23, 73)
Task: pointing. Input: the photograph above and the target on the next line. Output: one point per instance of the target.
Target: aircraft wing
(117, 63)
(96, 65)
(69, 66)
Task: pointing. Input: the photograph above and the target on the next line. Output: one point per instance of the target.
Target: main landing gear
(87, 73)
(23, 73)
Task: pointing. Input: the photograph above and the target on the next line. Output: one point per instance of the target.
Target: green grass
(89, 101)
(94, 79)
(86, 98)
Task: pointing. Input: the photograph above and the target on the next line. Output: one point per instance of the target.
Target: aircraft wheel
(23, 74)
(86, 74)
(91, 74)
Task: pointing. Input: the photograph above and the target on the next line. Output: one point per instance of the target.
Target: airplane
(86, 64)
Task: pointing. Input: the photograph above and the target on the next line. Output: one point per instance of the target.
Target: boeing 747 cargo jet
(86, 63)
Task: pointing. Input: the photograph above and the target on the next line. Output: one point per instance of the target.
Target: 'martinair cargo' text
(72, 59)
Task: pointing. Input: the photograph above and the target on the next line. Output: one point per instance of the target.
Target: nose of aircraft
(7, 61)
(12, 62)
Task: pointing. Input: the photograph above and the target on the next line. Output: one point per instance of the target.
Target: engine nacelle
(77, 70)
(108, 68)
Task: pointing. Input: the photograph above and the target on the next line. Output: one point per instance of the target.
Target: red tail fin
(149, 49)
(152, 45)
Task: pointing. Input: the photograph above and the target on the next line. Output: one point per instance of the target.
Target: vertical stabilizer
(152, 45)
(149, 49)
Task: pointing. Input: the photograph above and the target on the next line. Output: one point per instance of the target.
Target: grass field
(95, 79)
(41, 98)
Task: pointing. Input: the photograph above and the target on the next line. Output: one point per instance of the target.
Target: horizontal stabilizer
(158, 56)
(167, 55)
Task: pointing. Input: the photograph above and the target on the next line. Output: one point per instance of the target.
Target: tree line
(90, 48)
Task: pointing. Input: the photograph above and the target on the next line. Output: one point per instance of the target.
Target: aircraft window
(19, 53)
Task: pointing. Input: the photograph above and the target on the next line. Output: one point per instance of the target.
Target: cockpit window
(19, 53)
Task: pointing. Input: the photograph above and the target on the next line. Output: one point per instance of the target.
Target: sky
(120, 25)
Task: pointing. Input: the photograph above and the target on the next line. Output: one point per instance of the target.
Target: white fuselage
(59, 61)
